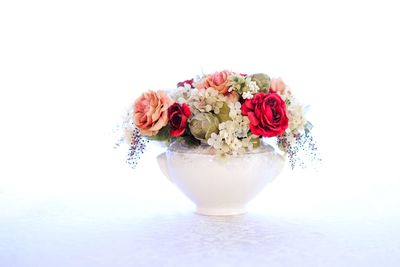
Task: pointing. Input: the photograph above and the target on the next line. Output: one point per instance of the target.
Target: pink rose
(278, 86)
(219, 81)
(150, 112)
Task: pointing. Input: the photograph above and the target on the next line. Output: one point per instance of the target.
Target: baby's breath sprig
(301, 149)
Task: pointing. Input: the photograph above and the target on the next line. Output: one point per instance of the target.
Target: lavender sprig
(137, 147)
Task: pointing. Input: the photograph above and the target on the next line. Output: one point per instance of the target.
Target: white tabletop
(124, 227)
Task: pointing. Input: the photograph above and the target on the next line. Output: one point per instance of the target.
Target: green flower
(262, 80)
(223, 114)
(202, 125)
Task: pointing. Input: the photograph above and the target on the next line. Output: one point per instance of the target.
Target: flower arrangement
(229, 112)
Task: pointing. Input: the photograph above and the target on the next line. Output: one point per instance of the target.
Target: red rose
(178, 116)
(190, 82)
(267, 114)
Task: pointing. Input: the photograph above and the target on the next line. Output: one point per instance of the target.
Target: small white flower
(224, 134)
(236, 144)
(243, 85)
(215, 141)
(247, 95)
(230, 126)
(295, 113)
(253, 86)
(234, 109)
(290, 138)
(206, 100)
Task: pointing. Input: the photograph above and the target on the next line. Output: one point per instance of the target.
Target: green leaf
(191, 141)
(162, 135)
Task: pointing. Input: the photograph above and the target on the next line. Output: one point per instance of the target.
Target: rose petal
(253, 119)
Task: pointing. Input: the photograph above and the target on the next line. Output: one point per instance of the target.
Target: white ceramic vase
(220, 186)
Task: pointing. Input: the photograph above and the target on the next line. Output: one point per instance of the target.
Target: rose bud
(203, 125)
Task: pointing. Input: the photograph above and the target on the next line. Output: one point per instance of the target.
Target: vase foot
(220, 212)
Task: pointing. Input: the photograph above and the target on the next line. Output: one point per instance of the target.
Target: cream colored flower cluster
(295, 113)
(182, 93)
(207, 100)
(244, 85)
(233, 137)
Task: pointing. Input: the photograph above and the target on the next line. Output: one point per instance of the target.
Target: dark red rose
(178, 116)
(267, 114)
(190, 82)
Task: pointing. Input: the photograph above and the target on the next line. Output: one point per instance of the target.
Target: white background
(69, 68)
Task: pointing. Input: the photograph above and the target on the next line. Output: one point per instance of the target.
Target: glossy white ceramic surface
(221, 186)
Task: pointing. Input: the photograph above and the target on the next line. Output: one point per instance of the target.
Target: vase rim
(206, 150)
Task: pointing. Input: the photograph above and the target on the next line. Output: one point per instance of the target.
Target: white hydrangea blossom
(215, 141)
(295, 113)
(181, 94)
(233, 137)
(244, 125)
(252, 89)
(218, 106)
(206, 100)
(243, 85)
(234, 109)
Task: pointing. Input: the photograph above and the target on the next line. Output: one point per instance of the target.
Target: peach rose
(150, 112)
(219, 81)
(278, 86)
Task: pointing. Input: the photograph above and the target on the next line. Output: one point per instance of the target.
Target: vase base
(220, 212)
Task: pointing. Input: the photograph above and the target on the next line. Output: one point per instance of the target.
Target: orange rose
(219, 81)
(150, 112)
